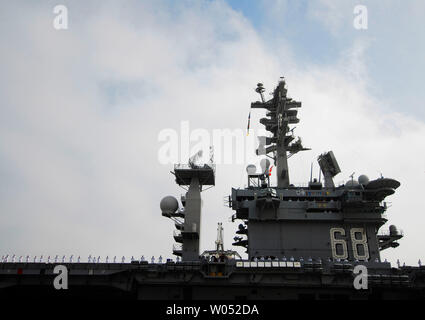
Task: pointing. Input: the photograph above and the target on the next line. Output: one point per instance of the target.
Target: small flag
(249, 121)
(270, 171)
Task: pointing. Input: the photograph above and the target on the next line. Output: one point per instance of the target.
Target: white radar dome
(351, 183)
(363, 179)
(169, 204)
(251, 169)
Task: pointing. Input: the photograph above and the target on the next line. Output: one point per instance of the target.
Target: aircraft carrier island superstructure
(301, 242)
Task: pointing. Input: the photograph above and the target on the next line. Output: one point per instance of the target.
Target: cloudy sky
(81, 111)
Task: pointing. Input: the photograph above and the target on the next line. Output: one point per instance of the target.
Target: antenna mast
(219, 242)
(281, 113)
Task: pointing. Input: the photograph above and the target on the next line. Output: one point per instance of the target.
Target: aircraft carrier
(321, 241)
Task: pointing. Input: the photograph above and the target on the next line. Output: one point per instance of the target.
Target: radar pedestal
(195, 177)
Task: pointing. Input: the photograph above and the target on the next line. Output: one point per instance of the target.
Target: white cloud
(80, 169)
(333, 14)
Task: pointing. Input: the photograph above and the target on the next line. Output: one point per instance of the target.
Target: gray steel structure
(317, 222)
(195, 177)
(302, 242)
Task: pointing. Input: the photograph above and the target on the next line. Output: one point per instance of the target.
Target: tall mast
(219, 243)
(281, 113)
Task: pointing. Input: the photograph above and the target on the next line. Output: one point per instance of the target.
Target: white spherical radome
(169, 204)
(363, 179)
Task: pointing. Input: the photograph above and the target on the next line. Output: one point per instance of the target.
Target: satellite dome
(363, 179)
(251, 169)
(352, 183)
(169, 205)
(265, 165)
(393, 230)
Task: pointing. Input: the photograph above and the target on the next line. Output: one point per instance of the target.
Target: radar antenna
(330, 168)
(260, 89)
(193, 160)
